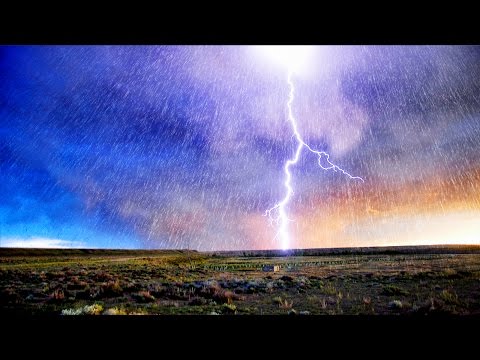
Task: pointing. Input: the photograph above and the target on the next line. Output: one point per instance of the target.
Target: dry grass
(173, 285)
(285, 304)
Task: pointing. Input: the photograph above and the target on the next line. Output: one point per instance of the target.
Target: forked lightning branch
(278, 213)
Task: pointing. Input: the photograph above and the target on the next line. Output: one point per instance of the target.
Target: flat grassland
(368, 281)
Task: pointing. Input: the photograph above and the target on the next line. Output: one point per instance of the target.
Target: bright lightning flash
(278, 214)
(293, 57)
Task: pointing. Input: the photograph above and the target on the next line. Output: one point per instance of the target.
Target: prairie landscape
(360, 281)
(366, 157)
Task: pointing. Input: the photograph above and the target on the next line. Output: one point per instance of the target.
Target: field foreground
(407, 280)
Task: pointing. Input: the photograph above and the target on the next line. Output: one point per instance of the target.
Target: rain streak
(184, 147)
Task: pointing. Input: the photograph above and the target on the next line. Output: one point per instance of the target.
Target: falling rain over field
(227, 180)
(186, 147)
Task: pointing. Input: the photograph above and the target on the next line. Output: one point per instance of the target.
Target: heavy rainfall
(184, 147)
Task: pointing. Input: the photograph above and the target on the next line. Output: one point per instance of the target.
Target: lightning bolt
(277, 214)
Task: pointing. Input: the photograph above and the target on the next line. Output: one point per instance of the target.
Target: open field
(407, 280)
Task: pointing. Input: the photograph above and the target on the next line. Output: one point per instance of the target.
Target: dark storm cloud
(25, 189)
(177, 146)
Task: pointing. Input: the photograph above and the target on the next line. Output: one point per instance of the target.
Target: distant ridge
(386, 250)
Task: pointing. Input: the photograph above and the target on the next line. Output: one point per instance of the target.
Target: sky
(185, 146)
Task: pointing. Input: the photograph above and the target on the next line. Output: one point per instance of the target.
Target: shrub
(57, 295)
(197, 301)
(391, 290)
(323, 304)
(72, 311)
(229, 308)
(277, 300)
(395, 304)
(156, 290)
(226, 296)
(10, 295)
(144, 296)
(449, 297)
(94, 309)
(112, 288)
(102, 276)
(285, 304)
(95, 292)
(329, 289)
(114, 311)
